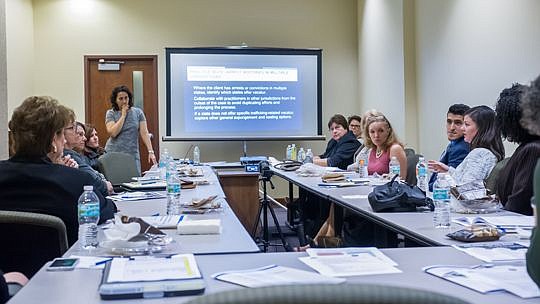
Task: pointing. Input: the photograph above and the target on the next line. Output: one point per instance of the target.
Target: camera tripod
(264, 206)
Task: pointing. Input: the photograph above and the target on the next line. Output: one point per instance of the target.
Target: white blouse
(476, 166)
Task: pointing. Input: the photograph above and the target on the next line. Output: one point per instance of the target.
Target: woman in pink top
(383, 142)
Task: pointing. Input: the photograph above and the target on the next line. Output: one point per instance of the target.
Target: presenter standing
(125, 123)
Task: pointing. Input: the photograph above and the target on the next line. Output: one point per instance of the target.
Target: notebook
(151, 278)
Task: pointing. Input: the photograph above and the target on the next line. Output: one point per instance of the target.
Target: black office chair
(118, 167)
(327, 294)
(412, 160)
(29, 240)
(491, 180)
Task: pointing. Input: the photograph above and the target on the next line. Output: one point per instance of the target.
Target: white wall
(20, 51)
(3, 83)
(468, 51)
(65, 32)
(381, 60)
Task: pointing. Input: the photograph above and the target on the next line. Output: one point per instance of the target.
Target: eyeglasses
(354, 126)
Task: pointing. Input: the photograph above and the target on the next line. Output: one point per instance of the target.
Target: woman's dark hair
(338, 119)
(488, 135)
(531, 107)
(115, 93)
(35, 122)
(354, 117)
(508, 117)
(88, 129)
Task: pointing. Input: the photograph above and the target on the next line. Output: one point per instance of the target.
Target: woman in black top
(515, 181)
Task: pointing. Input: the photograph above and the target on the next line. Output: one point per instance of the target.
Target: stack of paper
(273, 275)
(494, 252)
(489, 278)
(135, 196)
(343, 262)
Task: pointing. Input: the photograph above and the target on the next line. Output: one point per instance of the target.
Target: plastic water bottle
(88, 210)
(196, 155)
(288, 154)
(309, 157)
(301, 155)
(422, 174)
(163, 161)
(393, 167)
(173, 191)
(441, 198)
(293, 152)
(363, 164)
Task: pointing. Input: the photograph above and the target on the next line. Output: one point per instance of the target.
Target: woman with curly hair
(125, 123)
(515, 181)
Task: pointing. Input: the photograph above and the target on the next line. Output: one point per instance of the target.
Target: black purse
(398, 197)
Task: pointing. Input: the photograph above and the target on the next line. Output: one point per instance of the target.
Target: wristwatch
(150, 151)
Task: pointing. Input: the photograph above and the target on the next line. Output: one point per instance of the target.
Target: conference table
(233, 238)
(80, 286)
(416, 227)
(235, 250)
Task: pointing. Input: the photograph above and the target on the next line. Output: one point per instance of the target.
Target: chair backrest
(412, 160)
(331, 294)
(491, 180)
(29, 240)
(118, 167)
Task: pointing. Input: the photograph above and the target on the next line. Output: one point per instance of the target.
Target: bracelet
(150, 151)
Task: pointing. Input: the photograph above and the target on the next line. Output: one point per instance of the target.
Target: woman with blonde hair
(379, 136)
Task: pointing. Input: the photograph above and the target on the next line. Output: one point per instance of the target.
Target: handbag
(398, 197)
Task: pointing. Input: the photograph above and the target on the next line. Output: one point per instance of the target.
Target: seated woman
(383, 144)
(36, 178)
(363, 150)
(515, 181)
(355, 125)
(339, 153)
(486, 147)
(340, 149)
(92, 150)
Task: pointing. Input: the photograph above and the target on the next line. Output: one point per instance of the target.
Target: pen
(102, 262)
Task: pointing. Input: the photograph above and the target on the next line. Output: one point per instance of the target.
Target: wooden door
(139, 74)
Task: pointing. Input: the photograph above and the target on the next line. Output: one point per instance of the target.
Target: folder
(175, 276)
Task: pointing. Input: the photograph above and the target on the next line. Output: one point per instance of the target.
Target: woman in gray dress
(125, 123)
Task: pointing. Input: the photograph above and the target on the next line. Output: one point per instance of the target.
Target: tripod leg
(258, 221)
(283, 242)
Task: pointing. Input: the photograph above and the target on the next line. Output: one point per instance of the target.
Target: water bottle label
(395, 170)
(441, 194)
(89, 210)
(422, 171)
(173, 188)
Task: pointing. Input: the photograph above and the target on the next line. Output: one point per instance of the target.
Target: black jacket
(35, 184)
(340, 153)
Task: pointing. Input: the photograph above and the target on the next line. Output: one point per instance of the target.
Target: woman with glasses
(355, 125)
(36, 177)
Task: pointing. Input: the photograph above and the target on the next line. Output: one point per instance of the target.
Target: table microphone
(184, 161)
